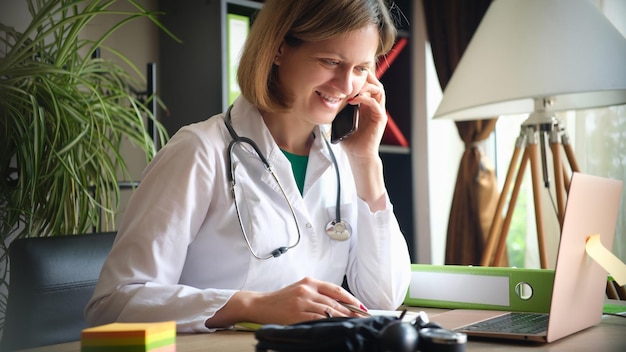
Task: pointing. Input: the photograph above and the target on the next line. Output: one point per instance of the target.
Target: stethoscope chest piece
(338, 230)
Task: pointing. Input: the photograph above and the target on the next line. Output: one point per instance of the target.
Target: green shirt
(298, 166)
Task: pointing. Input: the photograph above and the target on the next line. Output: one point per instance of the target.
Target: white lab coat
(180, 253)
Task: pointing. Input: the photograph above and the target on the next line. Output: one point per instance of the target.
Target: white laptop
(578, 291)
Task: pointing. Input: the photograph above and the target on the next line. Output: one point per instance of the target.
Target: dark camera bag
(338, 334)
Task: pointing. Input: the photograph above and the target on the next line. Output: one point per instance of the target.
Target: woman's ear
(278, 55)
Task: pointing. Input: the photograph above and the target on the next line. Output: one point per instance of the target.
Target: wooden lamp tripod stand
(541, 125)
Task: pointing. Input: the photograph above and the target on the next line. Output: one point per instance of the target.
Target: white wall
(445, 149)
(437, 151)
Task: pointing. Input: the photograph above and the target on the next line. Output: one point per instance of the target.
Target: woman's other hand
(307, 299)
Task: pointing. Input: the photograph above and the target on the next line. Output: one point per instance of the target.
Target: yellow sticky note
(606, 259)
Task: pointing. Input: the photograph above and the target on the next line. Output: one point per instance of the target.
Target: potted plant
(64, 113)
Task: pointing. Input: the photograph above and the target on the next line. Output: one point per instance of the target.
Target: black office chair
(51, 281)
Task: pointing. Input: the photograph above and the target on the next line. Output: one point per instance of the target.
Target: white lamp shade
(566, 50)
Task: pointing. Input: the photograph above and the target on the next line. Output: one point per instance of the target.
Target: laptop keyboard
(518, 323)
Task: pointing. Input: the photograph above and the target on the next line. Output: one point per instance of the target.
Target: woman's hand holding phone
(362, 146)
(372, 119)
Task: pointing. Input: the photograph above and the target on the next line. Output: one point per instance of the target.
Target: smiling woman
(219, 230)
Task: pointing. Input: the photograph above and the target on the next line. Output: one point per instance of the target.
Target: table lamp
(537, 57)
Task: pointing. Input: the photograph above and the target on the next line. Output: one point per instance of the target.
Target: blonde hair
(297, 21)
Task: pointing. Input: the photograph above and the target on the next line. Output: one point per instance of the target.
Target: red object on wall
(383, 65)
(392, 135)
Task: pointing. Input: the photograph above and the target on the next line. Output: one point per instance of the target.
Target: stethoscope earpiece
(338, 230)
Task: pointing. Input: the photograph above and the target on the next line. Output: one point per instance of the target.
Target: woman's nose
(345, 81)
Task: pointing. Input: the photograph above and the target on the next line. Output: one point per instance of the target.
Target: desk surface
(609, 335)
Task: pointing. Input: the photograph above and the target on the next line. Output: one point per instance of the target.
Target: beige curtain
(450, 25)
(475, 197)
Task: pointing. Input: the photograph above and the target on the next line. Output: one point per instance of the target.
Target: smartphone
(345, 123)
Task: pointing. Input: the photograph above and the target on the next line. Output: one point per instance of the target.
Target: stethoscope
(337, 229)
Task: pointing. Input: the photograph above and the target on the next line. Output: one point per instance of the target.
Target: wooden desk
(609, 335)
